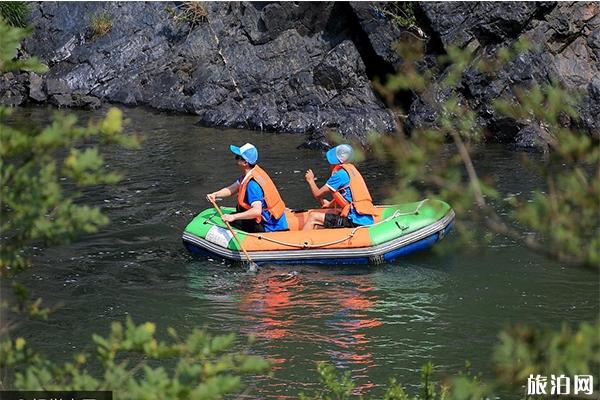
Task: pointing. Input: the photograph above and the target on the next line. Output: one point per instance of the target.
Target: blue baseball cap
(339, 154)
(248, 152)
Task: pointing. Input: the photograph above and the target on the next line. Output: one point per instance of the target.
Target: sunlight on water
(374, 322)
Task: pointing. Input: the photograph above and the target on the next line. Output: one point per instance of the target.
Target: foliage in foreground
(43, 173)
(36, 169)
(10, 41)
(203, 368)
(38, 165)
(36, 207)
(15, 13)
(203, 365)
(338, 386)
(521, 352)
(560, 220)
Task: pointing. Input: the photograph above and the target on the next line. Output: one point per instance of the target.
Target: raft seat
(297, 218)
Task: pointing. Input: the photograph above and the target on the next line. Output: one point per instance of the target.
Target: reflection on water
(342, 316)
(373, 322)
(329, 311)
(266, 303)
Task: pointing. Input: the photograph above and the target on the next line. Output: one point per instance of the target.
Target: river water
(376, 322)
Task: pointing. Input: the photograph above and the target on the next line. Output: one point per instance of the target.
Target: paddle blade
(250, 266)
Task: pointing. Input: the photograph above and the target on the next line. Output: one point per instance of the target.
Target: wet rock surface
(299, 67)
(266, 66)
(564, 38)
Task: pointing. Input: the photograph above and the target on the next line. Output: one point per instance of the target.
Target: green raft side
(198, 227)
(430, 212)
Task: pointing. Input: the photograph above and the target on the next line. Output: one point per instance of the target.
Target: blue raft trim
(417, 246)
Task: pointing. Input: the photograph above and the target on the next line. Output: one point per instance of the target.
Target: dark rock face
(380, 33)
(459, 23)
(12, 89)
(267, 66)
(565, 50)
(302, 67)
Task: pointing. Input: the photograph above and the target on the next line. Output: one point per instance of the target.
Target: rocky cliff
(565, 39)
(294, 67)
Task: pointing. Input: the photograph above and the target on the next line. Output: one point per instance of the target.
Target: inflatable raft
(398, 230)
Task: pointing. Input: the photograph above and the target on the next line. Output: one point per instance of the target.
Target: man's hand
(229, 217)
(212, 197)
(326, 203)
(309, 176)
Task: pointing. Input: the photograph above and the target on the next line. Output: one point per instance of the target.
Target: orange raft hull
(398, 230)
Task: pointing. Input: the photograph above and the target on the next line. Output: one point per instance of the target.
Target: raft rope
(307, 245)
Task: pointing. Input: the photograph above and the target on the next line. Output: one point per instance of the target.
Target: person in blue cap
(260, 208)
(351, 205)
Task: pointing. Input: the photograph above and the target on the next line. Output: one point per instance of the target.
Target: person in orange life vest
(260, 207)
(350, 194)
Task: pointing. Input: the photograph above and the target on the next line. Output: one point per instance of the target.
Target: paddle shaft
(216, 206)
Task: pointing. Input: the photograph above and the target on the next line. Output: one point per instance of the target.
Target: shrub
(100, 25)
(206, 367)
(401, 13)
(193, 13)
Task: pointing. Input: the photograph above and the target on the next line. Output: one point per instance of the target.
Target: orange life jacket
(361, 198)
(275, 204)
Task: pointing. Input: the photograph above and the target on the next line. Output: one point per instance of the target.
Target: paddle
(252, 266)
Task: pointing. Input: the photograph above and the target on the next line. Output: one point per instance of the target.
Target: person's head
(339, 154)
(246, 156)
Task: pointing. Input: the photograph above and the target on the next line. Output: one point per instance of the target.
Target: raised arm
(315, 190)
